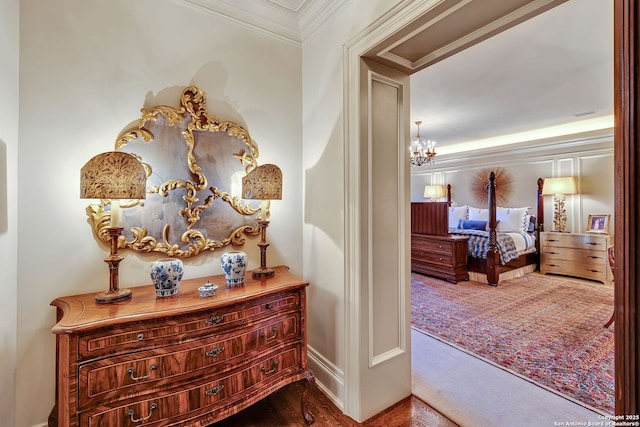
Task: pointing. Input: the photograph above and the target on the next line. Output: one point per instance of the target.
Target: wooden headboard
(430, 218)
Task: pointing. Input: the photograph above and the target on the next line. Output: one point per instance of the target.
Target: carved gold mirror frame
(194, 163)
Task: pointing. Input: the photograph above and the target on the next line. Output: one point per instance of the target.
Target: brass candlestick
(114, 294)
(263, 271)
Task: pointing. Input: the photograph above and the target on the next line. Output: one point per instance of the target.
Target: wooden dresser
(444, 256)
(574, 254)
(181, 360)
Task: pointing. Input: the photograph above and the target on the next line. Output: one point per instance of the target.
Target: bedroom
(587, 156)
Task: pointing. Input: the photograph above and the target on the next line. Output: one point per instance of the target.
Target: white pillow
(457, 213)
(511, 219)
(477, 214)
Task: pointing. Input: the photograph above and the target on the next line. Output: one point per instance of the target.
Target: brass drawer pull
(269, 306)
(594, 271)
(274, 367)
(553, 253)
(275, 334)
(593, 256)
(593, 243)
(140, 336)
(214, 390)
(131, 412)
(214, 352)
(214, 320)
(132, 371)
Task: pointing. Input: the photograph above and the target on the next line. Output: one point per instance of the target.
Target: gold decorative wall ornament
(194, 163)
(504, 186)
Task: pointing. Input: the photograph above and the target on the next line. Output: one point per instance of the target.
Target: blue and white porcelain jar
(234, 265)
(166, 274)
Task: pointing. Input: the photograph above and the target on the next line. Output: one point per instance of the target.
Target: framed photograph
(598, 223)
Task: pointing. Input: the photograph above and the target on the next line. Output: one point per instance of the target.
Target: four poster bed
(500, 242)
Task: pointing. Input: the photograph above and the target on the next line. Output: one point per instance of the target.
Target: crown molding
(601, 139)
(291, 20)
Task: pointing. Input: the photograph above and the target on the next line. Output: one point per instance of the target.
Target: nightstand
(575, 254)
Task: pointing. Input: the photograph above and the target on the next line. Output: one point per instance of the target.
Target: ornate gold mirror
(195, 164)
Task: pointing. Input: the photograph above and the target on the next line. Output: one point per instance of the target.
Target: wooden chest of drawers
(181, 360)
(574, 254)
(444, 257)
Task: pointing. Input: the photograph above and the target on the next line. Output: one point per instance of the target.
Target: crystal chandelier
(422, 151)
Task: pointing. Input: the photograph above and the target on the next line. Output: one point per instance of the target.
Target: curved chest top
(80, 313)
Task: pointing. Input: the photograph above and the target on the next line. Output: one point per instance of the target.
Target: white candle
(115, 212)
(264, 210)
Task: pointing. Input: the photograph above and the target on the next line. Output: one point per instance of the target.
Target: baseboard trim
(329, 378)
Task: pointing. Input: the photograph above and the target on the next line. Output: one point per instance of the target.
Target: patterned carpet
(548, 331)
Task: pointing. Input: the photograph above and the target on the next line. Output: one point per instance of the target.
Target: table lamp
(433, 192)
(113, 175)
(559, 187)
(263, 183)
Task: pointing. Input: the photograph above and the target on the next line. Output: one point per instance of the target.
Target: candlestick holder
(114, 294)
(263, 271)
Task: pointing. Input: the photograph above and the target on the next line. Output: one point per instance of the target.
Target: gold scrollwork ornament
(189, 155)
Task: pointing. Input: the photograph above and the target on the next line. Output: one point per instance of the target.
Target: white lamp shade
(433, 191)
(563, 185)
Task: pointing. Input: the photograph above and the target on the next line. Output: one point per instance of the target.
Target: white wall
(9, 81)
(87, 67)
(589, 158)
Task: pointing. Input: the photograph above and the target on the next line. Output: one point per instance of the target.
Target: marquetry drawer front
(185, 405)
(147, 336)
(148, 371)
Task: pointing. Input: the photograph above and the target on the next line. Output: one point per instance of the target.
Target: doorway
(378, 40)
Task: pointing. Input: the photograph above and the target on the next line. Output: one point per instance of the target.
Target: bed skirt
(516, 272)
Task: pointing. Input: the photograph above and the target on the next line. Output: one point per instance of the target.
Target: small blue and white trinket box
(208, 289)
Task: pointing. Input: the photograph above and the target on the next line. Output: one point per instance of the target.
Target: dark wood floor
(282, 409)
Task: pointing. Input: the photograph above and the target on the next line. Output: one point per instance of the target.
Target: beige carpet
(474, 393)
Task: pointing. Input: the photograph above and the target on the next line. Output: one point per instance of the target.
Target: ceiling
(552, 74)
(483, 72)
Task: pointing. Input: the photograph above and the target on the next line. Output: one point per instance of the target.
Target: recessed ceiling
(552, 70)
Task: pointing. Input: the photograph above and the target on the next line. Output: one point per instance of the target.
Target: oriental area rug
(548, 331)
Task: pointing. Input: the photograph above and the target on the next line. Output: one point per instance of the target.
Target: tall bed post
(540, 214)
(449, 194)
(493, 256)
(540, 211)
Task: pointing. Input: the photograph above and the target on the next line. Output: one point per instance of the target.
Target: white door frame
(355, 113)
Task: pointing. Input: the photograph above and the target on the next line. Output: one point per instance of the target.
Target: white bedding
(525, 242)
